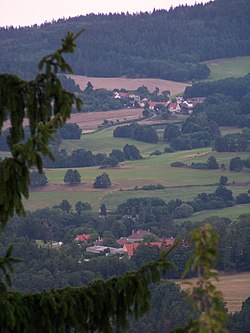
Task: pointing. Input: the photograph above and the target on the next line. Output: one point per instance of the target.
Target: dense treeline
(195, 132)
(165, 44)
(67, 132)
(227, 101)
(80, 158)
(137, 132)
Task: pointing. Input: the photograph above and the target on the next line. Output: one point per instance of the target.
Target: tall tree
(72, 177)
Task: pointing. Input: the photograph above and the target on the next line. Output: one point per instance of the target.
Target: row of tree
(72, 177)
(85, 158)
(137, 132)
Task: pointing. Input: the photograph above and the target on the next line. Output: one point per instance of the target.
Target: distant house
(137, 236)
(82, 238)
(131, 247)
(152, 105)
(174, 107)
(187, 105)
(107, 250)
(143, 102)
(120, 95)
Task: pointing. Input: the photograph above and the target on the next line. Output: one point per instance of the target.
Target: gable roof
(130, 248)
(138, 234)
(82, 238)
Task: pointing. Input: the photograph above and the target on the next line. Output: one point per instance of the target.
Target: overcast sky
(28, 12)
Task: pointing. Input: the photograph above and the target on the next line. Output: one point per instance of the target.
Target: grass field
(228, 67)
(183, 183)
(231, 212)
(103, 142)
(234, 287)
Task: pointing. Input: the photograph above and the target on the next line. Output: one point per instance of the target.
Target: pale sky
(28, 12)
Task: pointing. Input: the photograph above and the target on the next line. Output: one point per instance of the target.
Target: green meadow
(103, 142)
(229, 212)
(228, 67)
(129, 177)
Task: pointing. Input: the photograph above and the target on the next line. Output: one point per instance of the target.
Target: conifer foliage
(102, 306)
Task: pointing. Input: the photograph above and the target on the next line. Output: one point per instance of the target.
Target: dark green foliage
(102, 181)
(224, 193)
(170, 309)
(183, 211)
(79, 308)
(37, 178)
(82, 207)
(130, 152)
(223, 180)
(231, 143)
(242, 198)
(72, 177)
(137, 132)
(103, 210)
(109, 161)
(36, 100)
(156, 152)
(99, 99)
(212, 163)
(65, 205)
(81, 158)
(70, 131)
(171, 132)
(69, 84)
(239, 321)
(236, 164)
(117, 154)
(181, 38)
(199, 166)
(152, 187)
(145, 253)
(227, 105)
(178, 164)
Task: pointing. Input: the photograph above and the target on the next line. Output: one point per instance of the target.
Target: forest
(162, 44)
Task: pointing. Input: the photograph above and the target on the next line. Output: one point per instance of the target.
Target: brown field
(90, 120)
(130, 84)
(235, 289)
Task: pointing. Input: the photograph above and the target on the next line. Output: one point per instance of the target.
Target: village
(177, 105)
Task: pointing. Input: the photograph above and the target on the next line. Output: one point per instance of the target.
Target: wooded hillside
(162, 44)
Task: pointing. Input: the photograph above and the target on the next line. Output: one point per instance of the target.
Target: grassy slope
(138, 173)
(230, 67)
(230, 212)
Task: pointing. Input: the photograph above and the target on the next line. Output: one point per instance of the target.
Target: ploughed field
(234, 287)
(111, 83)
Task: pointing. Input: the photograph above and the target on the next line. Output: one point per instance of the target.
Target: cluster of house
(176, 106)
(129, 244)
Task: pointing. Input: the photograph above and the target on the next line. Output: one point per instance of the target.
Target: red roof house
(82, 238)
